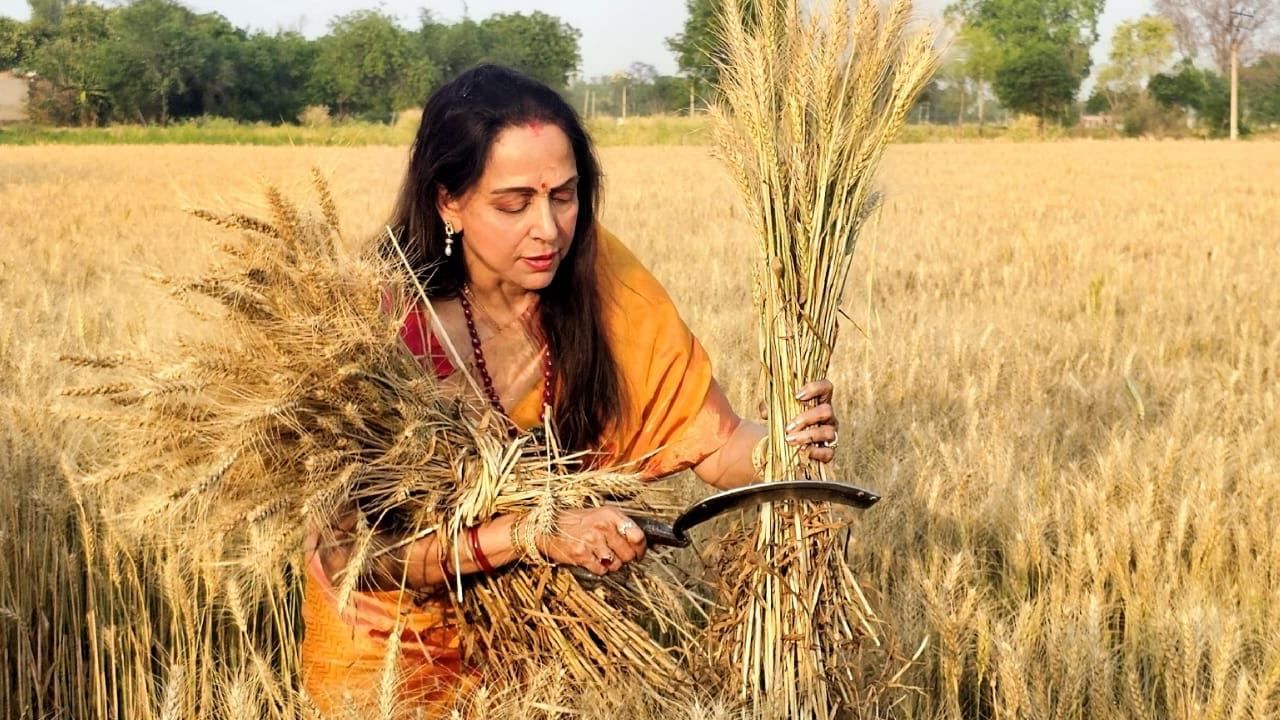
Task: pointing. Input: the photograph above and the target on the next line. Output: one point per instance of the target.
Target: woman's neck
(504, 302)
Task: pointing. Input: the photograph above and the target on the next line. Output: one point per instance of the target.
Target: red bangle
(473, 538)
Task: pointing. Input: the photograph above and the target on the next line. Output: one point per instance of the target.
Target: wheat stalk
(810, 100)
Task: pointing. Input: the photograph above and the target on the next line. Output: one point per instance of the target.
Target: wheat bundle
(296, 400)
(809, 101)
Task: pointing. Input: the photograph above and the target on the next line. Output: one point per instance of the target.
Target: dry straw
(296, 401)
(810, 98)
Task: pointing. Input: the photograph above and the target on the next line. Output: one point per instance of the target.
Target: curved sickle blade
(752, 495)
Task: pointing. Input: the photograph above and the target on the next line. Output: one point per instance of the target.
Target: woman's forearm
(493, 537)
(814, 431)
(733, 465)
(419, 565)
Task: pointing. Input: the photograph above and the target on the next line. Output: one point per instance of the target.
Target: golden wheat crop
(1061, 369)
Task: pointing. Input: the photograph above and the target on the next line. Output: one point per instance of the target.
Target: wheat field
(1060, 366)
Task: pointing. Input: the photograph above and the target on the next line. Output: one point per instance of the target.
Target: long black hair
(460, 122)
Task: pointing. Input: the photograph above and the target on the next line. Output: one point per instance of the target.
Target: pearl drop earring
(449, 232)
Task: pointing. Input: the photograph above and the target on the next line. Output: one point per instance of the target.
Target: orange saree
(677, 415)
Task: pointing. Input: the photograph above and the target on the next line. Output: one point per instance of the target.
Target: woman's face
(517, 222)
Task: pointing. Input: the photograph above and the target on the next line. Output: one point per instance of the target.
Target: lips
(541, 262)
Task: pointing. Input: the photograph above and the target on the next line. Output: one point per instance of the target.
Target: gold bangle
(514, 536)
(524, 541)
(531, 543)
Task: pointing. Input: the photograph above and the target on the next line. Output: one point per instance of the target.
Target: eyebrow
(531, 191)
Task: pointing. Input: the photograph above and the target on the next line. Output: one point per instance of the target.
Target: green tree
(1261, 88)
(360, 64)
(458, 46)
(1038, 39)
(156, 60)
(1016, 24)
(1194, 90)
(156, 52)
(951, 96)
(429, 60)
(1038, 79)
(269, 82)
(16, 43)
(980, 56)
(1097, 103)
(47, 12)
(539, 45)
(215, 80)
(671, 94)
(1139, 49)
(697, 47)
(68, 60)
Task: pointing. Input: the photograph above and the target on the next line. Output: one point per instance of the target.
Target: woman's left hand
(817, 428)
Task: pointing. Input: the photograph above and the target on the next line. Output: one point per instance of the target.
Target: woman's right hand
(601, 540)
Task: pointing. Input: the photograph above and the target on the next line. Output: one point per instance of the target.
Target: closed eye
(568, 186)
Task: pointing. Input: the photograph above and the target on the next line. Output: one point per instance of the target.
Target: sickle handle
(657, 533)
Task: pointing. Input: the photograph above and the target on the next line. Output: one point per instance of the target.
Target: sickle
(676, 534)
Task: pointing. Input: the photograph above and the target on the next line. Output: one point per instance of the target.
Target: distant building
(1101, 121)
(14, 93)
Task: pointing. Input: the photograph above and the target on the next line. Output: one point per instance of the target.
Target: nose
(544, 223)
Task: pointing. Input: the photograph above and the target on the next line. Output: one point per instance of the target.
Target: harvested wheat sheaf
(810, 99)
(293, 400)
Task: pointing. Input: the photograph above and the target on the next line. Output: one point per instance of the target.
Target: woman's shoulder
(625, 281)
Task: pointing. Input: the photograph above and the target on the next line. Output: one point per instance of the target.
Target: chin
(541, 281)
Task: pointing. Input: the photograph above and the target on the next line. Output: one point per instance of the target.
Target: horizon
(614, 35)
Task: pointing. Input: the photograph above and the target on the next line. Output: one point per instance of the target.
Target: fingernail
(802, 395)
(790, 427)
(792, 438)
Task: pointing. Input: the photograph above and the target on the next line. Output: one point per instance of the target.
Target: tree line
(154, 61)
(1164, 71)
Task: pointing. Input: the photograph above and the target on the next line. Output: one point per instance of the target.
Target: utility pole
(982, 91)
(1234, 35)
(1235, 92)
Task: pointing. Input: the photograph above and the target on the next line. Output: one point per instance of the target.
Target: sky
(615, 33)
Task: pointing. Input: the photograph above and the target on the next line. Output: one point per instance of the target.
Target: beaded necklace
(483, 367)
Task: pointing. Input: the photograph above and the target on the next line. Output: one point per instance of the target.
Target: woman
(553, 317)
